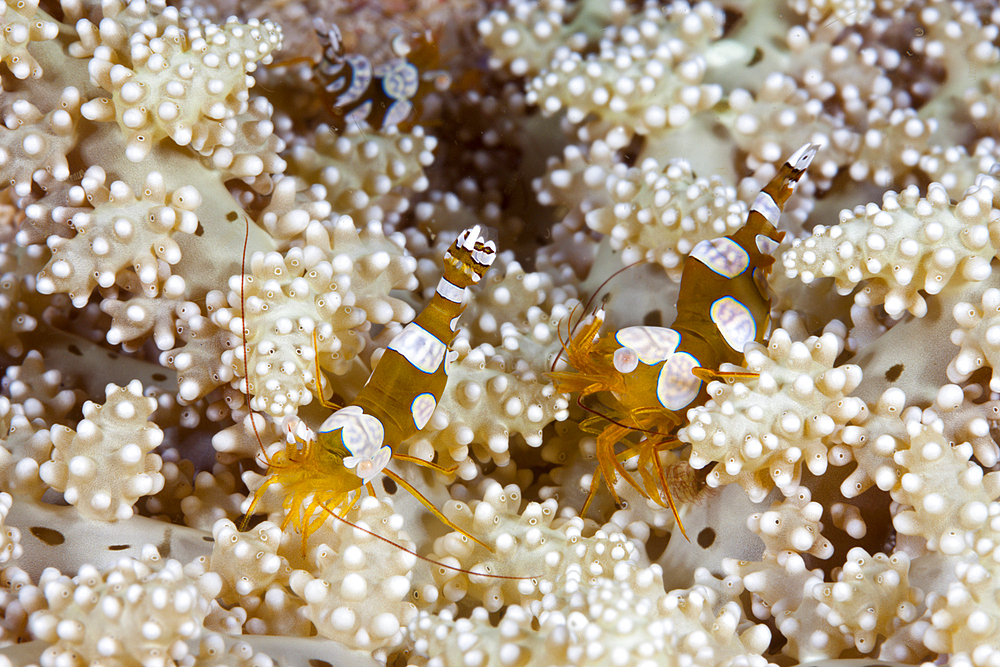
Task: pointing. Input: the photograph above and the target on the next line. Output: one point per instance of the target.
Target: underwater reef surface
(213, 212)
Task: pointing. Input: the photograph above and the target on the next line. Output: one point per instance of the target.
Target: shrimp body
(384, 95)
(650, 376)
(355, 443)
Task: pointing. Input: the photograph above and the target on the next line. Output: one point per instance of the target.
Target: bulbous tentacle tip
(801, 158)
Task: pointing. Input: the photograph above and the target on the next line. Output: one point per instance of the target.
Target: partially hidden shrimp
(648, 377)
(325, 474)
(384, 95)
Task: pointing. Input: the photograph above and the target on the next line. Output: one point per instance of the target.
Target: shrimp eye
(626, 360)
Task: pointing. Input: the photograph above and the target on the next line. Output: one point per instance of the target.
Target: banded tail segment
(724, 301)
(469, 257)
(465, 263)
(762, 223)
(783, 184)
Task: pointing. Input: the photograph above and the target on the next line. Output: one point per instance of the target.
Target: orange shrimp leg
(609, 466)
(654, 487)
(245, 522)
(586, 354)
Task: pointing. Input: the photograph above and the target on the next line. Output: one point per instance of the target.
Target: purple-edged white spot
(450, 290)
(723, 256)
(766, 244)
(362, 436)
(765, 205)
(652, 344)
(676, 385)
(735, 322)
(361, 76)
(422, 408)
(421, 348)
(400, 79)
(397, 113)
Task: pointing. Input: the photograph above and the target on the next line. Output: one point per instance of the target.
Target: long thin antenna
(243, 331)
(570, 332)
(637, 429)
(423, 558)
(260, 443)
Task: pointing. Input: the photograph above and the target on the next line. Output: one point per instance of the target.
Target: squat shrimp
(385, 95)
(355, 444)
(650, 376)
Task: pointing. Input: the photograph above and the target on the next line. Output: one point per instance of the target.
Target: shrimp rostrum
(648, 377)
(326, 473)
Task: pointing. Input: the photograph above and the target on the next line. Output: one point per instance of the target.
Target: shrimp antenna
(414, 553)
(655, 459)
(579, 402)
(571, 331)
(563, 343)
(243, 333)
